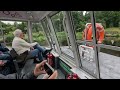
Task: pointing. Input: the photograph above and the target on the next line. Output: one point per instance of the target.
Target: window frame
(45, 31)
(97, 75)
(62, 53)
(98, 46)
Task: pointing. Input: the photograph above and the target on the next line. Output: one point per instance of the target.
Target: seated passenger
(8, 67)
(4, 53)
(3, 49)
(21, 46)
(3, 69)
(39, 69)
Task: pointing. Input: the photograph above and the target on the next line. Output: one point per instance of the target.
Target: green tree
(108, 18)
(23, 27)
(36, 27)
(57, 21)
(80, 20)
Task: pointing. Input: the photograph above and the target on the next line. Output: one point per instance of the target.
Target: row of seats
(19, 60)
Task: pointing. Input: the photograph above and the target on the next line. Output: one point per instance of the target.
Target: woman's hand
(39, 69)
(54, 75)
(31, 48)
(2, 63)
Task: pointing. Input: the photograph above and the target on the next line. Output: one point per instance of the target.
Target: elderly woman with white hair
(21, 46)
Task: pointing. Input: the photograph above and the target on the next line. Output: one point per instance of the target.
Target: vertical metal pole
(53, 32)
(66, 33)
(95, 44)
(70, 30)
(30, 32)
(45, 34)
(52, 38)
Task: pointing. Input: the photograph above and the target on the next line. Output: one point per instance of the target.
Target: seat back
(13, 54)
(19, 60)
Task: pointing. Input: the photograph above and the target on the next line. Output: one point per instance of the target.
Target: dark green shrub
(79, 35)
(62, 38)
(41, 40)
(9, 38)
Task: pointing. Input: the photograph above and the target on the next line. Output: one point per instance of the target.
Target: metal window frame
(52, 38)
(95, 43)
(98, 46)
(53, 13)
(42, 23)
(91, 43)
(45, 34)
(53, 31)
(70, 29)
(29, 30)
(65, 30)
(48, 31)
(67, 60)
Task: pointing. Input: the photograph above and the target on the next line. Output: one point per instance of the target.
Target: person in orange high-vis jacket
(87, 33)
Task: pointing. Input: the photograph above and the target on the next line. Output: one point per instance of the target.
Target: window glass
(110, 37)
(84, 38)
(39, 35)
(62, 34)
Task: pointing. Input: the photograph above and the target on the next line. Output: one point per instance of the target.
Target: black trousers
(9, 68)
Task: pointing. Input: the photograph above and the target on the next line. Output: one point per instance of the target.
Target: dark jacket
(29, 75)
(9, 66)
(3, 49)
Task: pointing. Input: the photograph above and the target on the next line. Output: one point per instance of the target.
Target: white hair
(17, 32)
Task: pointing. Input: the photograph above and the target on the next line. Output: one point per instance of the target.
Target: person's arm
(26, 44)
(33, 44)
(101, 37)
(10, 76)
(39, 69)
(29, 75)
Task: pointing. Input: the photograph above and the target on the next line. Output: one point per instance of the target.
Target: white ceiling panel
(23, 15)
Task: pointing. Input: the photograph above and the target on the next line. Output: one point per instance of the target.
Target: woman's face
(22, 35)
